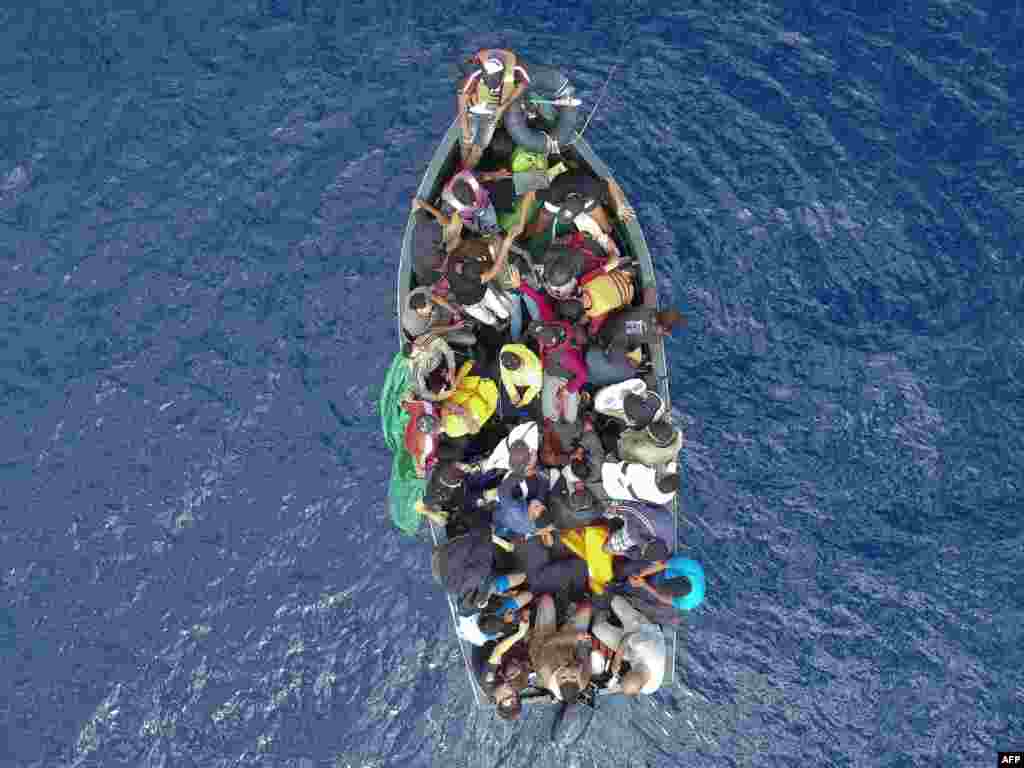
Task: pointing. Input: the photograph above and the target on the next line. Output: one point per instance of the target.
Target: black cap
(668, 483)
(640, 410)
(562, 266)
(570, 309)
(510, 361)
(680, 586)
(570, 692)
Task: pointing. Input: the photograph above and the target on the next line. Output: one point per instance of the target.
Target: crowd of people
(534, 415)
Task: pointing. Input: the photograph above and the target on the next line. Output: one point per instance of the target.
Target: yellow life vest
(609, 292)
(588, 544)
(475, 393)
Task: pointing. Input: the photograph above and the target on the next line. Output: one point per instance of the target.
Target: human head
(570, 309)
(520, 457)
(634, 680)
(427, 423)
(662, 433)
(509, 705)
(570, 691)
(667, 319)
(465, 194)
(668, 483)
(581, 468)
(419, 303)
(641, 410)
(550, 335)
(561, 272)
(510, 361)
(493, 624)
(679, 586)
(443, 482)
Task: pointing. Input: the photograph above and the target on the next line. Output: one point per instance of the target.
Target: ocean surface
(201, 208)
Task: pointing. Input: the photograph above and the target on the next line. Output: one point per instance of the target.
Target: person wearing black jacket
(627, 329)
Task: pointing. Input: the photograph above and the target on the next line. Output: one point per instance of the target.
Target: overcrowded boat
(528, 409)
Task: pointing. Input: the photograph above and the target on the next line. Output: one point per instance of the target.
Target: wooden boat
(633, 245)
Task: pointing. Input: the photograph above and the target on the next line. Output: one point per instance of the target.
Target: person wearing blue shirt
(522, 495)
(678, 582)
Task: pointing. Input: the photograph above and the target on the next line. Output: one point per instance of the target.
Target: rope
(604, 88)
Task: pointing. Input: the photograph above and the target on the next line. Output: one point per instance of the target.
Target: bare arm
(503, 647)
(423, 205)
(499, 260)
(656, 567)
(510, 99)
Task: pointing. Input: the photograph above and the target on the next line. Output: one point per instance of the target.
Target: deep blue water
(201, 208)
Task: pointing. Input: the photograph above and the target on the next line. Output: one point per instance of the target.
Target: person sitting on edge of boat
(484, 96)
(579, 201)
(521, 374)
(613, 366)
(561, 655)
(425, 312)
(677, 582)
(639, 642)
(656, 445)
(507, 671)
(487, 614)
(628, 328)
(602, 292)
(441, 234)
(565, 372)
(464, 497)
(431, 367)
(428, 247)
(467, 198)
(630, 403)
(629, 481)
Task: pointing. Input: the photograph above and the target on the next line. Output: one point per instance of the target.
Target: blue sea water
(201, 207)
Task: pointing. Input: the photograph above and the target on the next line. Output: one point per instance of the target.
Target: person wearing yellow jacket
(588, 545)
(522, 375)
(471, 404)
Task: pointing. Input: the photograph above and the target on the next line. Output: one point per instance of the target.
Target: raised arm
(506, 243)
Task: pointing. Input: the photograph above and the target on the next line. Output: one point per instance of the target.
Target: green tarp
(404, 489)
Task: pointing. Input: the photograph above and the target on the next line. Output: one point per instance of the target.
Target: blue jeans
(531, 306)
(515, 328)
(604, 369)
